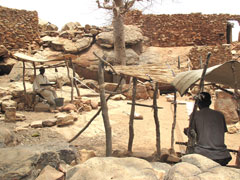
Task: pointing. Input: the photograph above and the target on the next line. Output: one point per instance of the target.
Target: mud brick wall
(219, 55)
(182, 29)
(18, 28)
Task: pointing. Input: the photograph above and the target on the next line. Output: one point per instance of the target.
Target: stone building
(18, 28)
(183, 29)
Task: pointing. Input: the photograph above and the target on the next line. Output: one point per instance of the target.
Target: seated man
(210, 127)
(42, 86)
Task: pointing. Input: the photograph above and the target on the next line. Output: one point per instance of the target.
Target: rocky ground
(94, 136)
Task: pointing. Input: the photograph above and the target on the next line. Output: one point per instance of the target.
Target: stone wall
(219, 55)
(18, 28)
(182, 29)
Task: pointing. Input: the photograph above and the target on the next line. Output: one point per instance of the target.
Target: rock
(49, 122)
(132, 57)
(42, 107)
(7, 137)
(227, 105)
(69, 107)
(8, 103)
(20, 117)
(195, 166)
(16, 72)
(3, 51)
(161, 169)
(118, 97)
(20, 106)
(141, 92)
(94, 104)
(25, 162)
(10, 114)
(133, 35)
(87, 107)
(64, 119)
(102, 168)
(36, 124)
(50, 173)
(232, 129)
(70, 26)
(78, 46)
(86, 154)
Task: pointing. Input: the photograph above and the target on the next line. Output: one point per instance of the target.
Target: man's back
(210, 127)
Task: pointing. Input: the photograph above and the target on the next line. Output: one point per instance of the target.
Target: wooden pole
(34, 68)
(24, 85)
(174, 121)
(179, 63)
(91, 120)
(74, 76)
(192, 137)
(158, 142)
(70, 80)
(108, 130)
(131, 129)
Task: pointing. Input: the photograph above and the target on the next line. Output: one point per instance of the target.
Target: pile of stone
(219, 54)
(18, 28)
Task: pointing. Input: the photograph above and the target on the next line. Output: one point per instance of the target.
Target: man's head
(204, 100)
(42, 70)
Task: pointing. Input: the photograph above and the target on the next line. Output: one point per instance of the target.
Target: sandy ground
(94, 137)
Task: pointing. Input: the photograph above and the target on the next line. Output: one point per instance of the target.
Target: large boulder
(133, 35)
(102, 168)
(227, 105)
(71, 26)
(131, 55)
(7, 137)
(195, 166)
(68, 46)
(25, 162)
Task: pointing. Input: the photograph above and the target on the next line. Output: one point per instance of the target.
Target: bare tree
(119, 8)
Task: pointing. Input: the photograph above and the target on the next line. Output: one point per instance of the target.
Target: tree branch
(104, 6)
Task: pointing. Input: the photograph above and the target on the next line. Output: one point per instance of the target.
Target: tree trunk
(118, 33)
(108, 130)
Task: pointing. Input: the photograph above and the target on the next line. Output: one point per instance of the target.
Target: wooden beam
(144, 105)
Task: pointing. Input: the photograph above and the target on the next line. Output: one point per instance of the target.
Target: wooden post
(24, 85)
(179, 63)
(200, 62)
(34, 68)
(74, 76)
(158, 142)
(70, 80)
(192, 138)
(131, 129)
(174, 121)
(108, 130)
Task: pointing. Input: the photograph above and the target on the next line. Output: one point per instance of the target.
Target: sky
(86, 11)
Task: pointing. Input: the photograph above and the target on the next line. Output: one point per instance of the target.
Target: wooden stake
(74, 76)
(158, 142)
(131, 129)
(24, 85)
(174, 121)
(34, 68)
(70, 80)
(108, 130)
